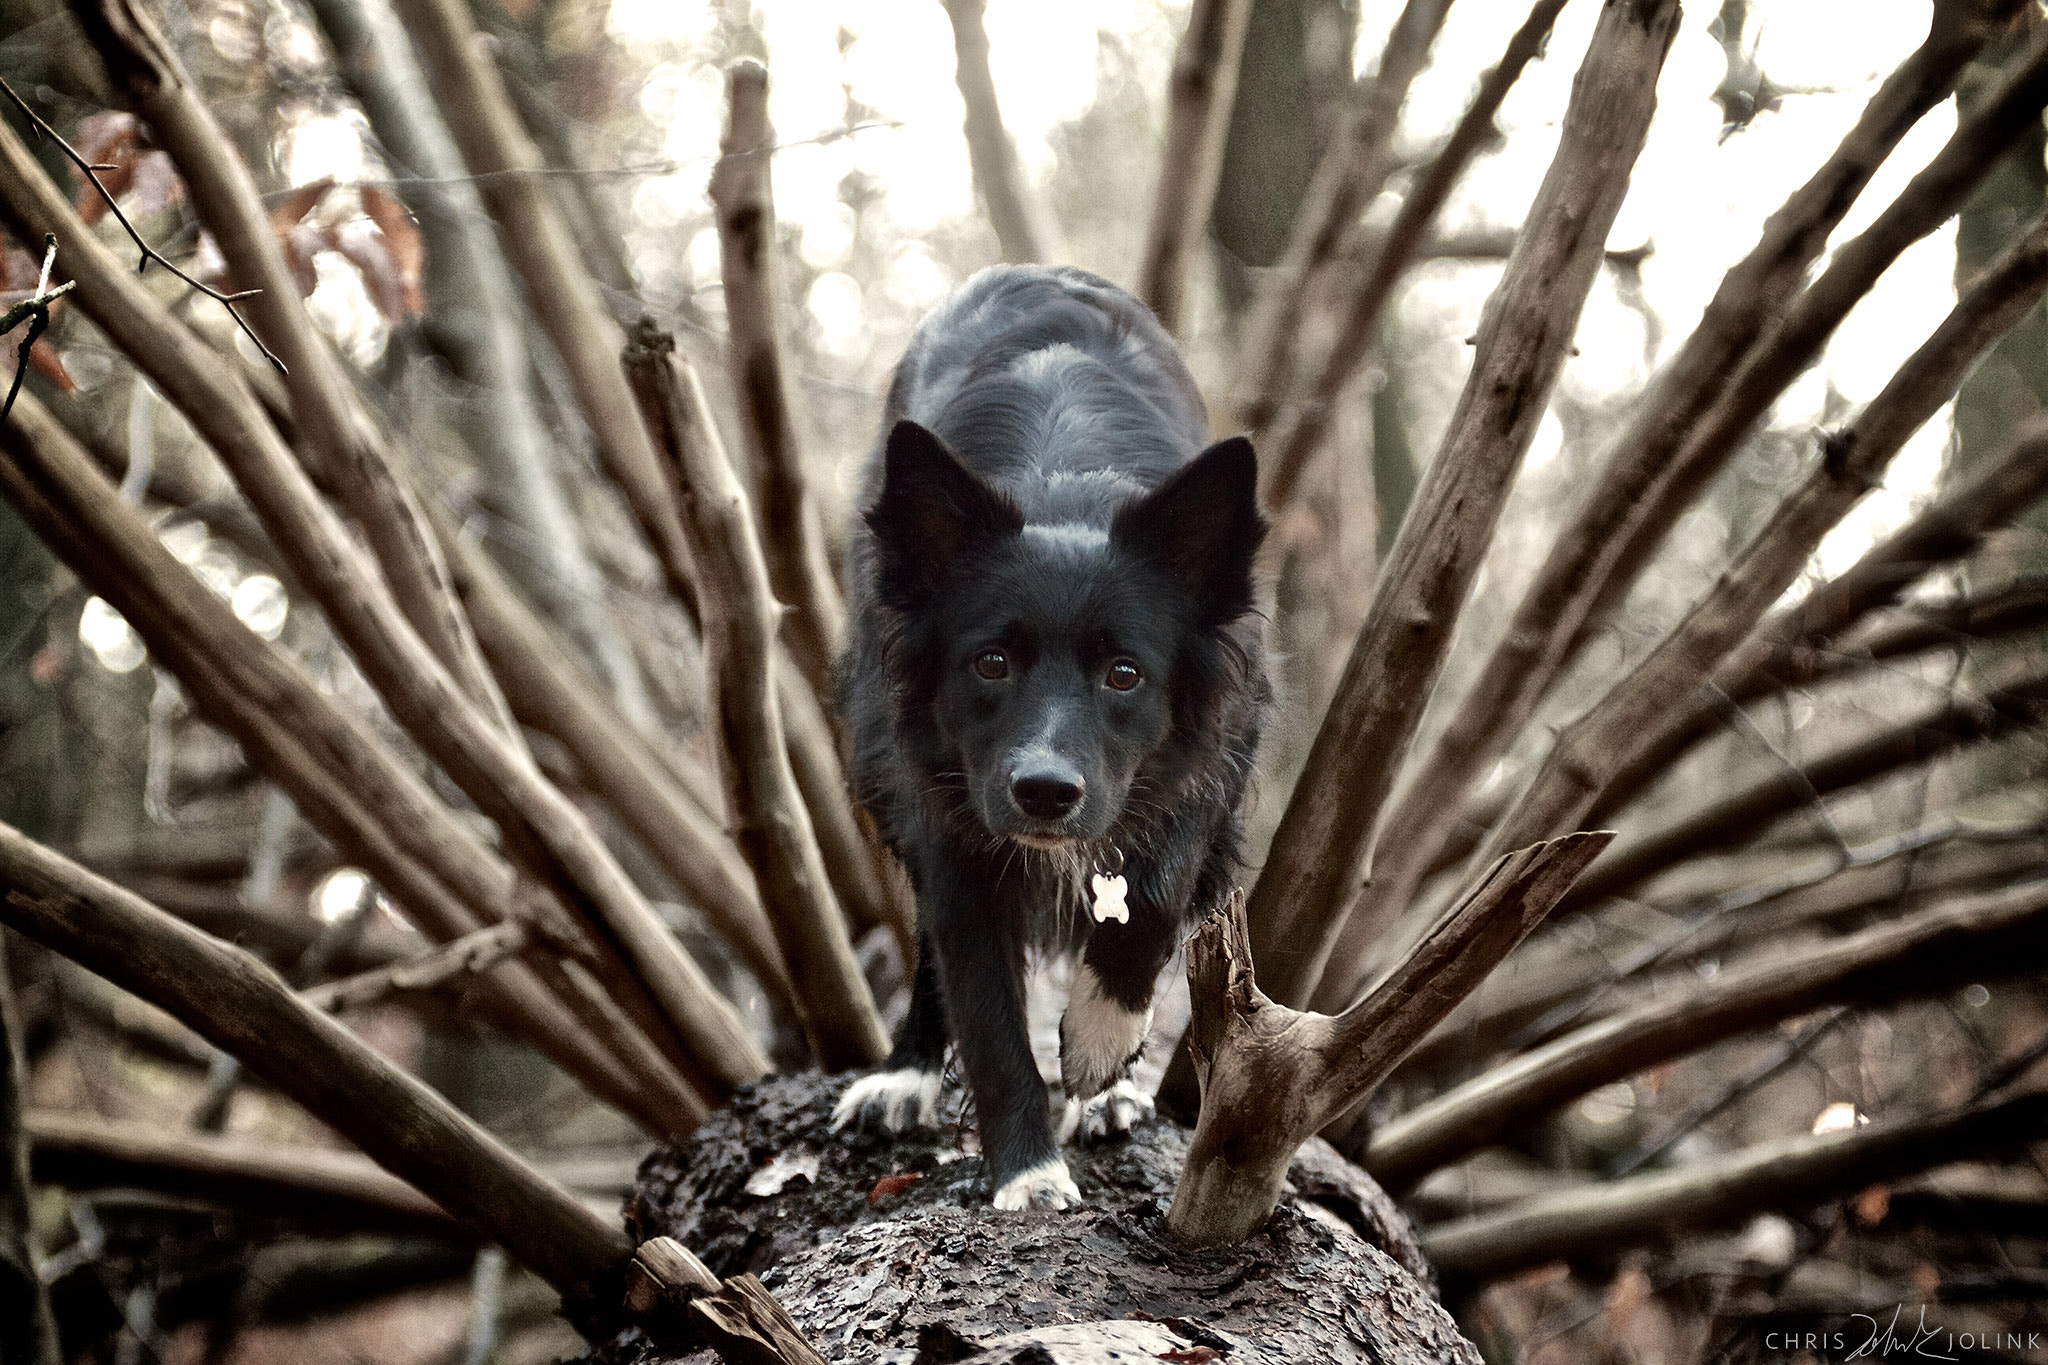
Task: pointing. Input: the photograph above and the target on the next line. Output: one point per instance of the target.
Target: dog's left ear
(1203, 527)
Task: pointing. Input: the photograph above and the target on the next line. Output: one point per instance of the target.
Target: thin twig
(149, 253)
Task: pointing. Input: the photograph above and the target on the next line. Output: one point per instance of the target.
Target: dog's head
(1059, 660)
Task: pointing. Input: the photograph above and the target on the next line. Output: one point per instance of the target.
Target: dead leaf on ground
(892, 1184)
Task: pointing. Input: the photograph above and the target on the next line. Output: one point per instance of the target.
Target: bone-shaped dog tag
(1109, 899)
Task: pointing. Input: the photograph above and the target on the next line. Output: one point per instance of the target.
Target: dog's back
(1054, 386)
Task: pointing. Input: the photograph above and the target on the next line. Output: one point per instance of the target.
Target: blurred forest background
(104, 757)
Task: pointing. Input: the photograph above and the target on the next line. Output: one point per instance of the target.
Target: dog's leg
(981, 965)
(904, 1094)
(1109, 1010)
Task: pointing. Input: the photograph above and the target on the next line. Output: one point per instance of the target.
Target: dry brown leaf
(50, 365)
(289, 211)
(108, 139)
(892, 1184)
(1872, 1205)
(403, 242)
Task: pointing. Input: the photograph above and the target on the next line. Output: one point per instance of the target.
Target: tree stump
(885, 1250)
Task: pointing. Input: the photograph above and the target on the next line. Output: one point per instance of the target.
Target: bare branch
(1199, 94)
(740, 616)
(149, 253)
(792, 532)
(335, 431)
(1740, 814)
(559, 288)
(476, 320)
(469, 956)
(1295, 431)
(549, 691)
(1792, 641)
(1790, 1173)
(1993, 934)
(338, 770)
(1674, 412)
(1542, 994)
(242, 1007)
(77, 1152)
(1271, 1077)
(545, 831)
(1639, 708)
(1025, 231)
(1324, 838)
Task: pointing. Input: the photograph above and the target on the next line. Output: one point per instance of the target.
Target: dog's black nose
(1046, 793)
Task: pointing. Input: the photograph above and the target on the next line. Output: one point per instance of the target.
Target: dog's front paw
(1099, 1038)
(1113, 1113)
(1045, 1186)
(896, 1101)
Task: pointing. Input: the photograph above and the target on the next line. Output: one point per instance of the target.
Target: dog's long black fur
(1056, 669)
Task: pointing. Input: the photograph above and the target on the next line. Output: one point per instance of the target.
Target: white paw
(1046, 1186)
(1099, 1038)
(893, 1100)
(1113, 1112)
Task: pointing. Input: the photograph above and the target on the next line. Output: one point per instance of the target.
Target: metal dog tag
(1109, 899)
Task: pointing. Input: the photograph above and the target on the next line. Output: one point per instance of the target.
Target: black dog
(1055, 685)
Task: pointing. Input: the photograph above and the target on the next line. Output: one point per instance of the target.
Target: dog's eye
(1124, 675)
(992, 664)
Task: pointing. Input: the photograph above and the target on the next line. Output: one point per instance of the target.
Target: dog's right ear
(932, 509)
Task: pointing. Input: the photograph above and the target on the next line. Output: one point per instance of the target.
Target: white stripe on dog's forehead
(1075, 533)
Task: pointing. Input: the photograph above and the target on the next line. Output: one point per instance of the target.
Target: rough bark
(1650, 699)
(1298, 428)
(1324, 839)
(877, 1244)
(1975, 936)
(740, 616)
(1024, 229)
(1198, 102)
(1744, 316)
(792, 529)
(246, 1010)
(1271, 1076)
(1791, 1173)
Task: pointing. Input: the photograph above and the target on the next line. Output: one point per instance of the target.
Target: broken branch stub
(1272, 1077)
